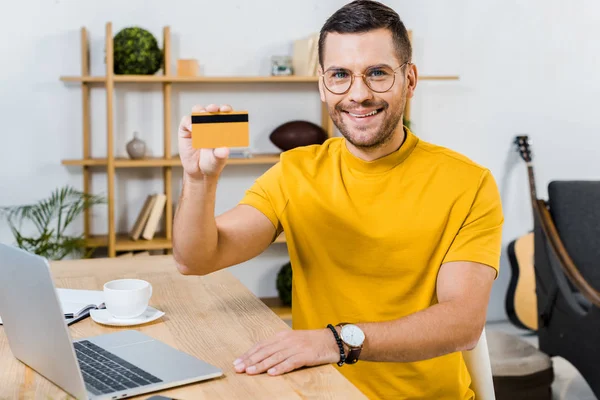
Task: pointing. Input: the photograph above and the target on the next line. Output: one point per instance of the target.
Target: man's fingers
(287, 365)
(257, 354)
(280, 336)
(269, 362)
(185, 127)
(212, 108)
(221, 152)
(249, 362)
(251, 351)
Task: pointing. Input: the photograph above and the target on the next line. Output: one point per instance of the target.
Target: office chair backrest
(575, 209)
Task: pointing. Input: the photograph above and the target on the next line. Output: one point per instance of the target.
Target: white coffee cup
(127, 298)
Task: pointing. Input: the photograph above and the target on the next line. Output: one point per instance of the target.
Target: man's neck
(373, 154)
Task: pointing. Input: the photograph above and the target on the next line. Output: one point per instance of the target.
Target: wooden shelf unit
(217, 79)
(113, 240)
(175, 161)
(125, 243)
(276, 305)
(191, 79)
(280, 238)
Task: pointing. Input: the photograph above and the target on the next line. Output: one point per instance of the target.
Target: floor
(568, 383)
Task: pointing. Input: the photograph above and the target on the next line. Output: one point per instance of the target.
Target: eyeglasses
(379, 79)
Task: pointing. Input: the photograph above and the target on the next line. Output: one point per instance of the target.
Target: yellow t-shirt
(366, 241)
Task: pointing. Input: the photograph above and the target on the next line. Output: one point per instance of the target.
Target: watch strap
(353, 355)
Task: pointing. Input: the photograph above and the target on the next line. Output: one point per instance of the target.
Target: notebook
(76, 304)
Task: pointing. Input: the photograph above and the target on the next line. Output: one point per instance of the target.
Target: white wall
(525, 67)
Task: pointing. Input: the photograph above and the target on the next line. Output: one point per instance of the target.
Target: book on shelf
(157, 211)
(146, 224)
(76, 304)
(142, 218)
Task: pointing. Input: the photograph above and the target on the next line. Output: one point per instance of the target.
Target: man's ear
(412, 77)
(321, 88)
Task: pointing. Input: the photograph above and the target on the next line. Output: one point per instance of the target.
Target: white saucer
(103, 317)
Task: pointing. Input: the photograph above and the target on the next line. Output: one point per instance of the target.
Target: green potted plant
(51, 217)
(284, 284)
(136, 51)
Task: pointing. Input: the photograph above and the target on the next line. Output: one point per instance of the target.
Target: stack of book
(146, 224)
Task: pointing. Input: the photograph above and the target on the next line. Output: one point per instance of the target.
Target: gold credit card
(220, 129)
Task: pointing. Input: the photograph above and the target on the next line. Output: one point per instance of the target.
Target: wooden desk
(214, 318)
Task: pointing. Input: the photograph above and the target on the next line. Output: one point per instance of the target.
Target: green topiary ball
(136, 52)
(284, 284)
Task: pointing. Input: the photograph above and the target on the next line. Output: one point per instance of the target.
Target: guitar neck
(532, 189)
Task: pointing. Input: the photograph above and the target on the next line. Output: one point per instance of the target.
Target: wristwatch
(353, 337)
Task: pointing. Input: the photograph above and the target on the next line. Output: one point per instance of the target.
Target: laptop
(109, 366)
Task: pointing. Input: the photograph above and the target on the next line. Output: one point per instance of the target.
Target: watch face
(352, 335)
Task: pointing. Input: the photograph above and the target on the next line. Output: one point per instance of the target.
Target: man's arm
(454, 324)
(463, 291)
(203, 244)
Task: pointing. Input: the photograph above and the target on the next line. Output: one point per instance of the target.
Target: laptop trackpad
(155, 357)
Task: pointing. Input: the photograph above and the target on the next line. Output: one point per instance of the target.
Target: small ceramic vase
(136, 148)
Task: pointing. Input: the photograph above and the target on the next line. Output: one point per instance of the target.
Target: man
(396, 236)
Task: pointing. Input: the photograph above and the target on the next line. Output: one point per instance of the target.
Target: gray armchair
(567, 268)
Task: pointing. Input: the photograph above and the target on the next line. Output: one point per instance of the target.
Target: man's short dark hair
(366, 15)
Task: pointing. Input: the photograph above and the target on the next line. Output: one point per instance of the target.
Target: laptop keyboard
(104, 372)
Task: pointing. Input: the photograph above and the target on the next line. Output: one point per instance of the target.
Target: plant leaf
(64, 204)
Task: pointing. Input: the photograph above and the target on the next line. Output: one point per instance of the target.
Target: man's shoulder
(306, 156)
(457, 173)
(440, 155)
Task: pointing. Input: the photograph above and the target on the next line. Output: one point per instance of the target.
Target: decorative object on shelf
(297, 133)
(284, 284)
(136, 148)
(240, 152)
(51, 217)
(305, 60)
(136, 52)
(281, 66)
(187, 67)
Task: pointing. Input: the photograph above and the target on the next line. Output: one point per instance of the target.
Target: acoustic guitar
(521, 299)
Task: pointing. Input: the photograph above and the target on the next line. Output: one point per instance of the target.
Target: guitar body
(521, 299)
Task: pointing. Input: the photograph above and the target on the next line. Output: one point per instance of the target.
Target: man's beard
(379, 138)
